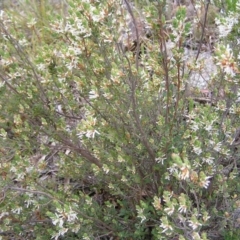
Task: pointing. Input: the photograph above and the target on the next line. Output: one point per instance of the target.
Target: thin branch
(203, 29)
(83, 152)
(30, 191)
(68, 116)
(163, 51)
(143, 137)
(137, 33)
(197, 201)
(9, 85)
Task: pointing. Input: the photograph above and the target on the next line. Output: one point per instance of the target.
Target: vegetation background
(104, 132)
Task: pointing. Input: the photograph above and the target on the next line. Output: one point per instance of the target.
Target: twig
(137, 33)
(83, 152)
(31, 191)
(163, 51)
(203, 29)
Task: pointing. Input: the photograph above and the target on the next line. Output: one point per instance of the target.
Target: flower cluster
(225, 59)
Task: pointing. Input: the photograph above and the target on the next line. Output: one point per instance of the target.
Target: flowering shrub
(98, 143)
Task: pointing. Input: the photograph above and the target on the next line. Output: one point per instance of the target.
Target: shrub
(101, 144)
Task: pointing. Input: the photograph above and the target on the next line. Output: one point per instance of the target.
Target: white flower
(160, 160)
(41, 67)
(182, 209)
(71, 216)
(105, 168)
(204, 180)
(170, 207)
(173, 169)
(208, 128)
(141, 215)
(23, 42)
(93, 94)
(217, 147)
(17, 210)
(208, 160)
(20, 176)
(194, 127)
(91, 133)
(143, 219)
(194, 224)
(97, 18)
(169, 210)
(61, 232)
(197, 150)
(165, 225)
(58, 220)
(28, 203)
(205, 183)
(183, 203)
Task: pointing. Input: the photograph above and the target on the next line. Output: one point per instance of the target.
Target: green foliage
(98, 143)
(231, 5)
(231, 235)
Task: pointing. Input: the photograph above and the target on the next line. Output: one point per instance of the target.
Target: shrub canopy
(103, 133)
